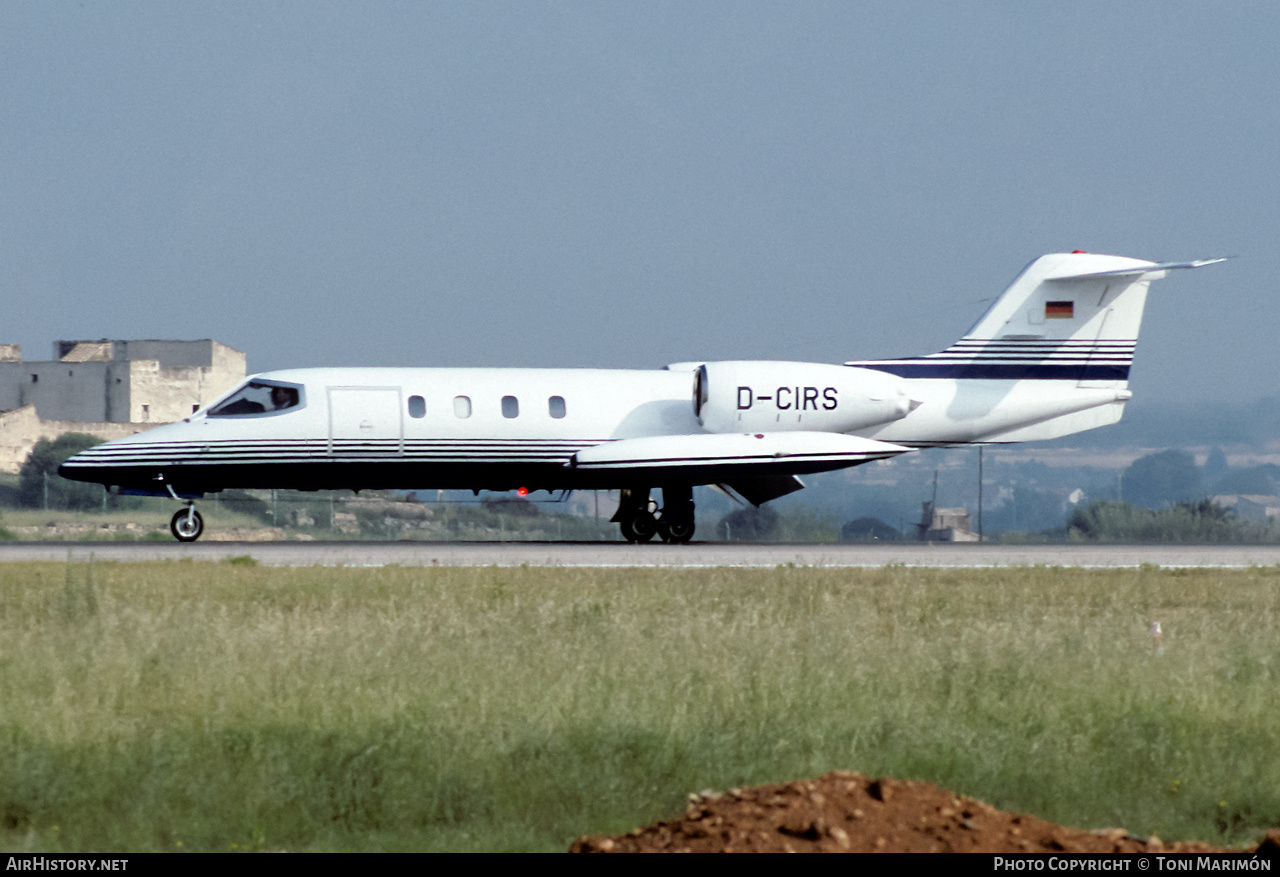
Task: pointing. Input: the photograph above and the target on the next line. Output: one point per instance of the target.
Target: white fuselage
(500, 429)
(356, 428)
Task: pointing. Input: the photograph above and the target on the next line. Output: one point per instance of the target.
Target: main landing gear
(640, 519)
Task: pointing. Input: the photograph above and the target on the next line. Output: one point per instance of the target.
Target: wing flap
(759, 491)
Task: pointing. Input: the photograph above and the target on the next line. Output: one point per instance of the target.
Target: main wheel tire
(679, 531)
(186, 525)
(641, 528)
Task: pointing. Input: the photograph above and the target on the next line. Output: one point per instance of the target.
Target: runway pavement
(619, 554)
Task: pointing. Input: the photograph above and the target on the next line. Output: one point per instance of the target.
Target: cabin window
(510, 407)
(417, 406)
(556, 405)
(462, 406)
(260, 397)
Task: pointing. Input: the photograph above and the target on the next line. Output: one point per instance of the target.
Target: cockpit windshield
(260, 397)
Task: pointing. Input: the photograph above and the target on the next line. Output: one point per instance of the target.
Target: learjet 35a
(1049, 358)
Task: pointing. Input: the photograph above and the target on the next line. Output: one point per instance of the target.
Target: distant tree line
(40, 485)
(796, 523)
(1199, 521)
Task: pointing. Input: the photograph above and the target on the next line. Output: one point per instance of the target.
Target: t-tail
(1051, 357)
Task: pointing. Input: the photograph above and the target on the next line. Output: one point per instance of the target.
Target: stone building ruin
(107, 388)
(945, 525)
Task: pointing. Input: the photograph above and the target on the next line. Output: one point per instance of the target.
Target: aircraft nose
(79, 467)
(70, 470)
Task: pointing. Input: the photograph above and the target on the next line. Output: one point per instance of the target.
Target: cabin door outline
(366, 421)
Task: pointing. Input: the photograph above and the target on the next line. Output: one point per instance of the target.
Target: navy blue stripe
(1002, 371)
(1083, 358)
(736, 460)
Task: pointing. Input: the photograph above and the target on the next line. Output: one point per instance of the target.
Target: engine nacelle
(787, 396)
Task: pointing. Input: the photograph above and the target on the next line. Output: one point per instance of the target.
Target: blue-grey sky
(631, 184)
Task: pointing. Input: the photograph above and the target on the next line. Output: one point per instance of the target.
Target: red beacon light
(1077, 252)
(522, 491)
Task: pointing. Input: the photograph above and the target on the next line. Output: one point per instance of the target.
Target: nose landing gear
(186, 525)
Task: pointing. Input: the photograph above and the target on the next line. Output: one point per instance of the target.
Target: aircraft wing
(717, 458)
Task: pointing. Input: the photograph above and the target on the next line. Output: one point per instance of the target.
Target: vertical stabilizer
(1066, 317)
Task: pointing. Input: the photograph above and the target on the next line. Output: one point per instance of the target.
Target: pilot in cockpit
(255, 398)
(283, 397)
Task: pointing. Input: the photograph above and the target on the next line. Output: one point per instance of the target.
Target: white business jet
(1051, 357)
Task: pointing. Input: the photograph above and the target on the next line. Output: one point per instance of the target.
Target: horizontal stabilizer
(718, 458)
(1138, 271)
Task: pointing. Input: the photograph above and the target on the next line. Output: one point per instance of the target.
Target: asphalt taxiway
(620, 554)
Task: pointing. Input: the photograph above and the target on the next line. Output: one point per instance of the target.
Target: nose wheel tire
(186, 525)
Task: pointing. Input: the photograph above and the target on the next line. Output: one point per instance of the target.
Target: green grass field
(186, 706)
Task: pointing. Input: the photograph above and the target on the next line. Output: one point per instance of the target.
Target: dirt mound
(845, 812)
